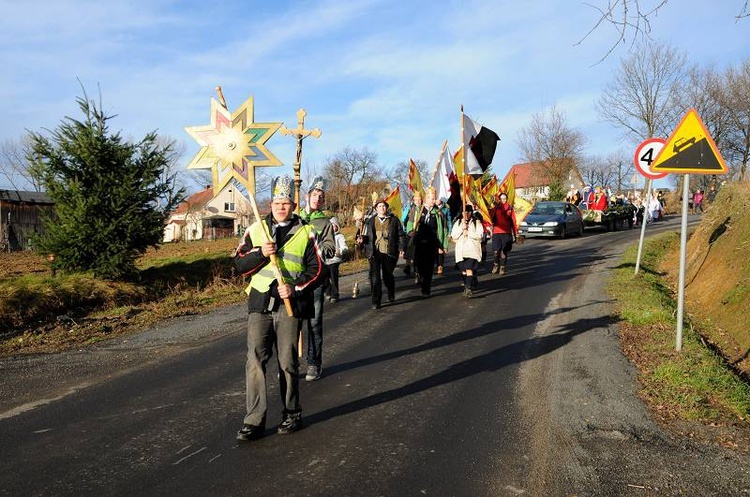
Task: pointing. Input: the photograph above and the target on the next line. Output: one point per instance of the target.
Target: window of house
(228, 206)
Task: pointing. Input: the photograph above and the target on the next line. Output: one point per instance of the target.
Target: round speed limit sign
(645, 155)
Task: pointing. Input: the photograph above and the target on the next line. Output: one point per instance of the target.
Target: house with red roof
(205, 216)
(532, 179)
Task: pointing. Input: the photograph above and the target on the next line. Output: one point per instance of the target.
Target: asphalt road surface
(521, 390)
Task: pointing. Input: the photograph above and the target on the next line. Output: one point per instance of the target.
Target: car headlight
(551, 223)
(523, 223)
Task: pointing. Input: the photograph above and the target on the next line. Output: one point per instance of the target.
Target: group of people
(292, 259)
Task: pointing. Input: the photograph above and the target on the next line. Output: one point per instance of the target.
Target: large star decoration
(232, 146)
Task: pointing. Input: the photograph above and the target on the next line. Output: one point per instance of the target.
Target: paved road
(520, 390)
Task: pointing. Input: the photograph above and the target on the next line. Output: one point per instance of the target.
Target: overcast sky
(389, 75)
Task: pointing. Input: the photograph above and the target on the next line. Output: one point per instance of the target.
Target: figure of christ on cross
(300, 133)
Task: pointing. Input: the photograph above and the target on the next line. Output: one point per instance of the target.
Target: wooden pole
(274, 259)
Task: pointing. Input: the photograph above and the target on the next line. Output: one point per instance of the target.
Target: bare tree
(400, 172)
(351, 175)
(633, 18)
(550, 141)
(737, 105)
(14, 167)
(614, 169)
(643, 97)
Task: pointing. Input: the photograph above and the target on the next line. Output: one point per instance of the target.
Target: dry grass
(717, 279)
(41, 314)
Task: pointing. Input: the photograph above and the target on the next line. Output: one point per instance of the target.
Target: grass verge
(693, 385)
(44, 314)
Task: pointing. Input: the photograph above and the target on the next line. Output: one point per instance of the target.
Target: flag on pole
(441, 180)
(415, 180)
(522, 208)
(394, 202)
(509, 187)
(458, 165)
(479, 200)
(490, 189)
(480, 143)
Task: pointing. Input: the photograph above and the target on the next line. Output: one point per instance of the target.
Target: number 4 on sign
(645, 156)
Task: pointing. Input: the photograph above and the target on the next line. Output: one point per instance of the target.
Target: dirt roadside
(592, 434)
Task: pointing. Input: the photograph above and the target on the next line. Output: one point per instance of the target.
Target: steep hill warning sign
(690, 149)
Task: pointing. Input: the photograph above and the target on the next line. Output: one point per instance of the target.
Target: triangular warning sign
(690, 149)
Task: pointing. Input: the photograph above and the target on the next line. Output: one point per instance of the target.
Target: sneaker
(495, 268)
(292, 422)
(502, 269)
(333, 300)
(313, 373)
(250, 432)
(375, 307)
(468, 293)
(440, 270)
(425, 295)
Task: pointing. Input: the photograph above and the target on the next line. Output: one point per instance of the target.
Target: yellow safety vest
(290, 257)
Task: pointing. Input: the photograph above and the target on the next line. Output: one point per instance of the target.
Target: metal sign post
(683, 259)
(645, 155)
(689, 149)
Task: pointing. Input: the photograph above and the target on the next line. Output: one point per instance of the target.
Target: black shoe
(391, 297)
(292, 422)
(250, 432)
(425, 295)
(407, 270)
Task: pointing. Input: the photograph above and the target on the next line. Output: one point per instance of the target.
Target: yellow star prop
(232, 146)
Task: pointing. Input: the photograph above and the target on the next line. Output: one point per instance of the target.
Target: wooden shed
(21, 217)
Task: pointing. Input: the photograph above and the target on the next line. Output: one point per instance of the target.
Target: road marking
(189, 455)
(33, 405)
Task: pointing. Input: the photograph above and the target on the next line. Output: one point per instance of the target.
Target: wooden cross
(300, 133)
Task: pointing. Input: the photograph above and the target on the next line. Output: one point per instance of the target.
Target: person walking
(284, 235)
(313, 213)
(698, 201)
(430, 233)
(504, 232)
(383, 243)
(342, 250)
(467, 234)
(415, 210)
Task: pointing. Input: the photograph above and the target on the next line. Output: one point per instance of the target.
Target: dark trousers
(381, 271)
(334, 280)
(440, 259)
(314, 356)
(264, 332)
(424, 261)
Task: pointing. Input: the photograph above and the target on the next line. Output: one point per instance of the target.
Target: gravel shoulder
(591, 433)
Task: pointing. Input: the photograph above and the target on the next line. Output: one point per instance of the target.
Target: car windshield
(548, 210)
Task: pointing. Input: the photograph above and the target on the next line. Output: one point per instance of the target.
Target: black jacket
(396, 236)
(250, 259)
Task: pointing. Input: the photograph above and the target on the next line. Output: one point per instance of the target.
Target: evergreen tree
(111, 197)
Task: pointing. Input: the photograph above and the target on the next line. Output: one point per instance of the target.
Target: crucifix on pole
(300, 133)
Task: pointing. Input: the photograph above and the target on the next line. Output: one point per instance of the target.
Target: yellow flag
(522, 207)
(458, 164)
(490, 190)
(415, 180)
(394, 202)
(509, 187)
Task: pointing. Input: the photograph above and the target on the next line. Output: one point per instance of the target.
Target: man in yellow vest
(298, 258)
